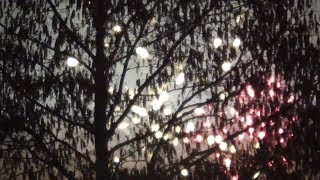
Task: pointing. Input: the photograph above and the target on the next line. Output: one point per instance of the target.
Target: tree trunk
(99, 63)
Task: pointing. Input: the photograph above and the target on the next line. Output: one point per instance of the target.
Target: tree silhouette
(103, 89)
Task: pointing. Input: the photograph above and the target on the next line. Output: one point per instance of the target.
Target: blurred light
(271, 93)
(136, 120)
(199, 138)
(227, 162)
(180, 79)
(207, 123)
(217, 42)
(199, 111)
(281, 140)
(223, 146)
(164, 96)
(116, 159)
(165, 137)
(250, 91)
(241, 136)
(210, 139)
(261, 134)
(226, 66)
(72, 62)
(110, 90)
(222, 96)
(232, 149)
(117, 108)
(236, 42)
(186, 140)
(271, 80)
(190, 127)
(142, 52)
(290, 100)
(158, 134)
(184, 172)
(175, 141)
(251, 130)
(256, 145)
(256, 175)
(123, 125)
(177, 129)
(218, 139)
(116, 28)
(167, 111)
(225, 130)
(249, 120)
(155, 127)
(280, 131)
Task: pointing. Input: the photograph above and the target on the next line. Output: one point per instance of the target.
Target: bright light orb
(116, 28)
(155, 127)
(256, 175)
(185, 140)
(210, 139)
(257, 145)
(232, 149)
(280, 131)
(199, 138)
(158, 134)
(167, 111)
(177, 129)
(156, 104)
(223, 146)
(136, 120)
(190, 127)
(180, 79)
(218, 139)
(226, 66)
(250, 91)
(199, 111)
(217, 42)
(184, 172)
(116, 159)
(261, 134)
(222, 96)
(142, 52)
(72, 62)
(241, 137)
(227, 162)
(164, 96)
(236, 43)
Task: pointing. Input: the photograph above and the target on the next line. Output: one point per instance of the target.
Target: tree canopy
(104, 89)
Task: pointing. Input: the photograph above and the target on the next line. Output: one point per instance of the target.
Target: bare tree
(92, 88)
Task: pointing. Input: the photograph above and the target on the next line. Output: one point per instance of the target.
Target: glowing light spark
(281, 140)
(256, 175)
(241, 136)
(217, 42)
(271, 93)
(236, 43)
(261, 134)
(116, 28)
(185, 140)
(199, 138)
(177, 129)
(72, 62)
(136, 120)
(227, 162)
(250, 91)
(271, 80)
(155, 127)
(218, 139)
(226, 66)
(210, 139)
(142, 52)
(223, 146)
(232, 149)
(290, 100)
(249, 120)
(158, 134)
(251, 130)
(184, 172)
(199, 111)
(280, 131)
(156, 104)
(190, 127)
(116, 159)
